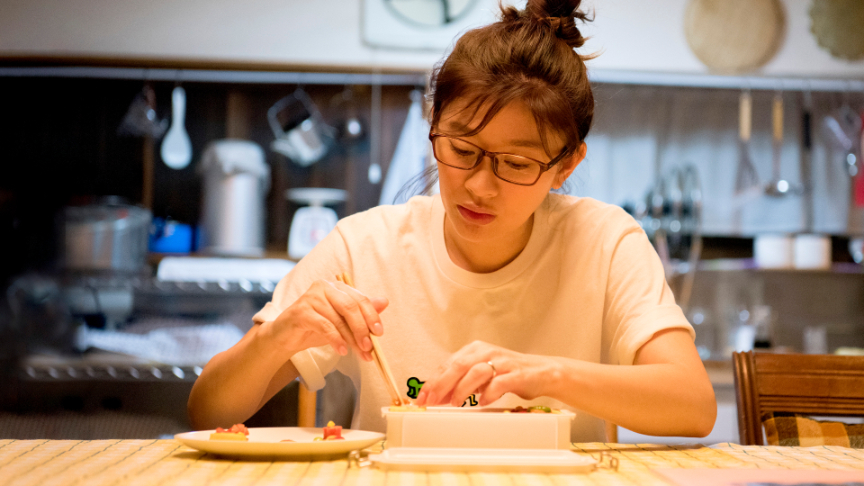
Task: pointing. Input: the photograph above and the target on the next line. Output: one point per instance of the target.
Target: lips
(475, 216)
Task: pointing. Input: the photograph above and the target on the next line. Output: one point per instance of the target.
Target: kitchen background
(665, 145)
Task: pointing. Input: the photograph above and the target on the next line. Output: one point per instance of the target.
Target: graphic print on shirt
(414, 386)
(471, 401)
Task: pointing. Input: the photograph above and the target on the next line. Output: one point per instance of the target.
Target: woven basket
(734, 36)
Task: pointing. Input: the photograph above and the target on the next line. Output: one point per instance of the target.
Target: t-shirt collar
(501, 276)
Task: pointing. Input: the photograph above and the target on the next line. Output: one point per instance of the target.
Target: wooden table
(166, 462)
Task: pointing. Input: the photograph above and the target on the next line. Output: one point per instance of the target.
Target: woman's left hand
(491, 371)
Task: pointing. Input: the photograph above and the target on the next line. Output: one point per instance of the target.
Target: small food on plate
(333, 431)
(236, 432)
(287, 440)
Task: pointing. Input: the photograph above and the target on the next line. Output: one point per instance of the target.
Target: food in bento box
(236, 432)
(534, 409)
(331, 432)
(407, 408)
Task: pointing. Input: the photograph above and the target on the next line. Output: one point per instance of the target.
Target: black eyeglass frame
(544, 166)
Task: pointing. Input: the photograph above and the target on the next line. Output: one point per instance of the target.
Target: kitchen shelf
(748, 264)
(695, 80)
(215, 76)
(102, 367)
(608, 76)
(152, 285)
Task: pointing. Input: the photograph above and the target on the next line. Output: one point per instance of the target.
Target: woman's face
(480, 207)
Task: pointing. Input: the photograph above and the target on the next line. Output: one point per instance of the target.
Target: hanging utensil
(746, 178)
(844, 128)
(300, 131)
(351, 129)
(374, 174)
(807, 159)
(176, 147)
(858, 190)
(778, 187)
(141, 119)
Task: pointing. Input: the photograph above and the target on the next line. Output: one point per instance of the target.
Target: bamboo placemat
(166, 462)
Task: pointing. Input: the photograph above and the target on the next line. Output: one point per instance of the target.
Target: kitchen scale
(314, 221)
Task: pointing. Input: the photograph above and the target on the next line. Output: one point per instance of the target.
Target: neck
(488, 256)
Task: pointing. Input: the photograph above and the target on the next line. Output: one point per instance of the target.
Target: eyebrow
(461, 127)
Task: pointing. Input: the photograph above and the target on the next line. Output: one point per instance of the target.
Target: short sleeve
(329, 258)
(639, 302)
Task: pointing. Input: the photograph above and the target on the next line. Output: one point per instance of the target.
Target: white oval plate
(266, 441)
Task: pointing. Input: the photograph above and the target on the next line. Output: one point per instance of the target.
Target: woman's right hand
(329, 313)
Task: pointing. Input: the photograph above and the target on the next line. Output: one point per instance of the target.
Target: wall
(631, 34)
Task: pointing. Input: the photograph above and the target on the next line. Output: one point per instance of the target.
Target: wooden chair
(795, 383)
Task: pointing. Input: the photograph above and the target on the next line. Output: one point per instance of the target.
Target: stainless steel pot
(110, 236)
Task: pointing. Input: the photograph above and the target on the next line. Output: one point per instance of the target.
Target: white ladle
(176, 147)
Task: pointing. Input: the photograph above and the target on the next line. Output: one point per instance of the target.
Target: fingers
(359, 312)
(335, 329)
(477, 377)
(333, 335)
(497, 387)
(380, 304)
(461, 365)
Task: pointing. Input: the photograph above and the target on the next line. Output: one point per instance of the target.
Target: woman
(497, 291)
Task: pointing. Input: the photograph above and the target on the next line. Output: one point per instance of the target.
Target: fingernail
(430, 398)
(343, 351)
(367, 344)
(421, 398)
(377, 329)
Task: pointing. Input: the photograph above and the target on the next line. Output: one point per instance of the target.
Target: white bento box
(485, 428)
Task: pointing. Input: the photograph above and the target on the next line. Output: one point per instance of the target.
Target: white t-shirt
(587, 286)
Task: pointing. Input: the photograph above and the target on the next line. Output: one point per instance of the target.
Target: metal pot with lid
(109, 235)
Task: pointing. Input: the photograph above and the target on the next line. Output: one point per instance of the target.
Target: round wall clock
(430, 13)
(422, 24)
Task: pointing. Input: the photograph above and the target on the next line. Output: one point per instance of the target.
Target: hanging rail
(725, 82)
(419, 79)
(214, 76)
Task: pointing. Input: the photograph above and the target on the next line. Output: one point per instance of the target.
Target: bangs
(486, 98)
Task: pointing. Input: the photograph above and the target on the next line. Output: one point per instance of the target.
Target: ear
(568, 165)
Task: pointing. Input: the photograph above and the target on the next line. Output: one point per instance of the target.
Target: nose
(481, 181)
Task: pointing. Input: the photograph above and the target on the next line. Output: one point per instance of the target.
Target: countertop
(167, 462)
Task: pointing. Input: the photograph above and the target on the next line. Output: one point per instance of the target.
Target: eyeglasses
(516, 169)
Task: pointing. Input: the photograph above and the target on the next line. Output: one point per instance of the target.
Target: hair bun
(561, 17)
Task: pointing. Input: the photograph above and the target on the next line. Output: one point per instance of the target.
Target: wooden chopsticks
(383, 367)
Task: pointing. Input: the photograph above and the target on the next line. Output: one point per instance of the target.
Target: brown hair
(529, 56)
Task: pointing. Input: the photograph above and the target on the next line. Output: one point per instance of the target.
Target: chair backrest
(795, 383)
